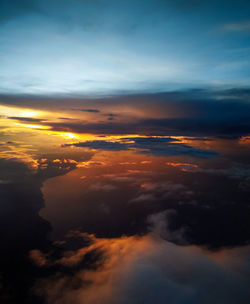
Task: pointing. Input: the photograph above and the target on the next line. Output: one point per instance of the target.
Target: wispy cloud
(243, 26)
(27, 119)
(90, 110)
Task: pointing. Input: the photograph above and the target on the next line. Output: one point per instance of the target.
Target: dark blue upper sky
(95, 46)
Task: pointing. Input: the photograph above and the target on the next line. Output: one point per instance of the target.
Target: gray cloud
(90, 110)
(100, 145)
(157, 146)
(159, 224)
(27, 119)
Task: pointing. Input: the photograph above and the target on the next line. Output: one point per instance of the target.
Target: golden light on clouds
(244, 140)
(34, 126)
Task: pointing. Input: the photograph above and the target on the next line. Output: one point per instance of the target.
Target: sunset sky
(124, 152)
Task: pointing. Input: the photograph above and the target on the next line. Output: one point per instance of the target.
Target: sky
(83, 47)
(124, 151)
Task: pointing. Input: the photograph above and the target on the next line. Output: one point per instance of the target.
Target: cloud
(212, 225)
(215, 219)
(91, 163)
(111, 116)
(27, 119)
(168, 147)
(38, 257)
(236, 171)
(158, 146)
(158, 192)
(134, 177)
(150, 270)
(90, 110)
(102, 187)
(191, 113)
(184, 166)
(243, 26)
(197, 113)
(117, 269)
(144, 198)
(159, 224)
(100, 144)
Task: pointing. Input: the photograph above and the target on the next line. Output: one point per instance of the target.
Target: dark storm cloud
(148, 145)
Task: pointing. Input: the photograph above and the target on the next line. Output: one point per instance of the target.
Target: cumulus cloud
(150, 270)
(159, 224)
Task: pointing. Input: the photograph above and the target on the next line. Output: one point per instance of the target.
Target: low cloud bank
(147, 270)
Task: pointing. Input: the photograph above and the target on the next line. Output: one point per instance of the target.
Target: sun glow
(67, 135)
(28, 113)
(18, 112)
(35, 126)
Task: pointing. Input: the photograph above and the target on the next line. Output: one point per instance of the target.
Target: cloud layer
(157, 146)
(143, 270)
(220, 113)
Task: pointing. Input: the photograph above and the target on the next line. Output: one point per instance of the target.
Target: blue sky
(103, 46)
